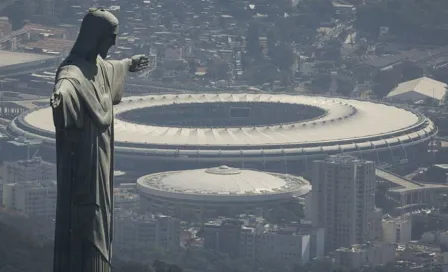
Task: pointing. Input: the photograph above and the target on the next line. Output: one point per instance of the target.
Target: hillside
(21, 253)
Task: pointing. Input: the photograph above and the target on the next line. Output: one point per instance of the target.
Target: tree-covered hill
(21, 253)
(416, 21)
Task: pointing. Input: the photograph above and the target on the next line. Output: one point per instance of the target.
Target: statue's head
(98, 33)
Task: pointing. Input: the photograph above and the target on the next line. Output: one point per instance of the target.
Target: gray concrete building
(344, 200)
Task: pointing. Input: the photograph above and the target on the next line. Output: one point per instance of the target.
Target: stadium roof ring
(248, 127)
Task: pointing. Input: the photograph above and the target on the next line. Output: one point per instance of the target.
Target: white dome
(223, 181)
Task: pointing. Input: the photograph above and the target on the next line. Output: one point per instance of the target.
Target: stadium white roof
(13, 58)
(345, 119)
(351, 126)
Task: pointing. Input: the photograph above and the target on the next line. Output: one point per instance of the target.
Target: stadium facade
(262, 131)
(201, 193)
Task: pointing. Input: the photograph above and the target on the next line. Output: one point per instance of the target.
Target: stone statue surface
(86, 88)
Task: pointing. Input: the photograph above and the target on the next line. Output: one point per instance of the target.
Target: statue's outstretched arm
(116, 71)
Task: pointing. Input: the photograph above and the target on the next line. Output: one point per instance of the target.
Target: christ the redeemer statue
(86, 88)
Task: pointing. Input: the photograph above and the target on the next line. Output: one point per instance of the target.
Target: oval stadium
(212, 191)
(263, 131)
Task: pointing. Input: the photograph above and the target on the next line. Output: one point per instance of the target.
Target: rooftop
(128, 215)
(14, 58)
(223, 180)
(35, 184)
(125, 196)
(424, 85)
(404, 184)
(33, 161)
(222, 184)
(345, 159)
(441, 166)
(342, 115)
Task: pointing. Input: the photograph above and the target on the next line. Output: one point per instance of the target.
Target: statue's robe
(83, 118)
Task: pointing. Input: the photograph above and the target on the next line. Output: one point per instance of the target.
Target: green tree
(320, 84)
(161, 266)
(19, 12)
(410, 21)
(158, 72)
(22, 252)
(271, 42)
(253, 46)
(134, 267)
(283, 56)
(345, 86)
(218, 69)
(385, 81)
(262, 71)
(410, 71)
(317, 265)
(321, 10)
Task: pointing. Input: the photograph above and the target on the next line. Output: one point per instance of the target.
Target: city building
(438, 237)
(407, 193)
(437, 173)
(283, 244)
(28, 170)
(425, 257)
(344, 10)
(317, 237)
(20, 148)
(212, 192)
(36, 198)
(317, 247)
(144, 231)
(174, 53)
(434, 220)
(344, 200)
(445, 262)
(376, 225)
(258, 243)
(224, 237)
(397, 230)
(418, 90)
(5, 26)
(125, 199)
(372, 253)
(308, 206)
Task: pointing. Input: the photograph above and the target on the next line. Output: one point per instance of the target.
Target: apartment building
(343, 200)
(37, 198)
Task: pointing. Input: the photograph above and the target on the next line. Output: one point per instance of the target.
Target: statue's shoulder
(69, 83)
(69, 71)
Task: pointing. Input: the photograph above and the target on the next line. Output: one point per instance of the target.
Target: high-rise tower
(343, 199)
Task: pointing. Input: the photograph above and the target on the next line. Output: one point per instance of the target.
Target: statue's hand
(139, 63)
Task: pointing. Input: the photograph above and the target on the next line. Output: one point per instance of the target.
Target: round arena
(263, 131)
(216, 191)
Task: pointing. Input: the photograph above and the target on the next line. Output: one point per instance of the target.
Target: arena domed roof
(224, 128)
(222, 183)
